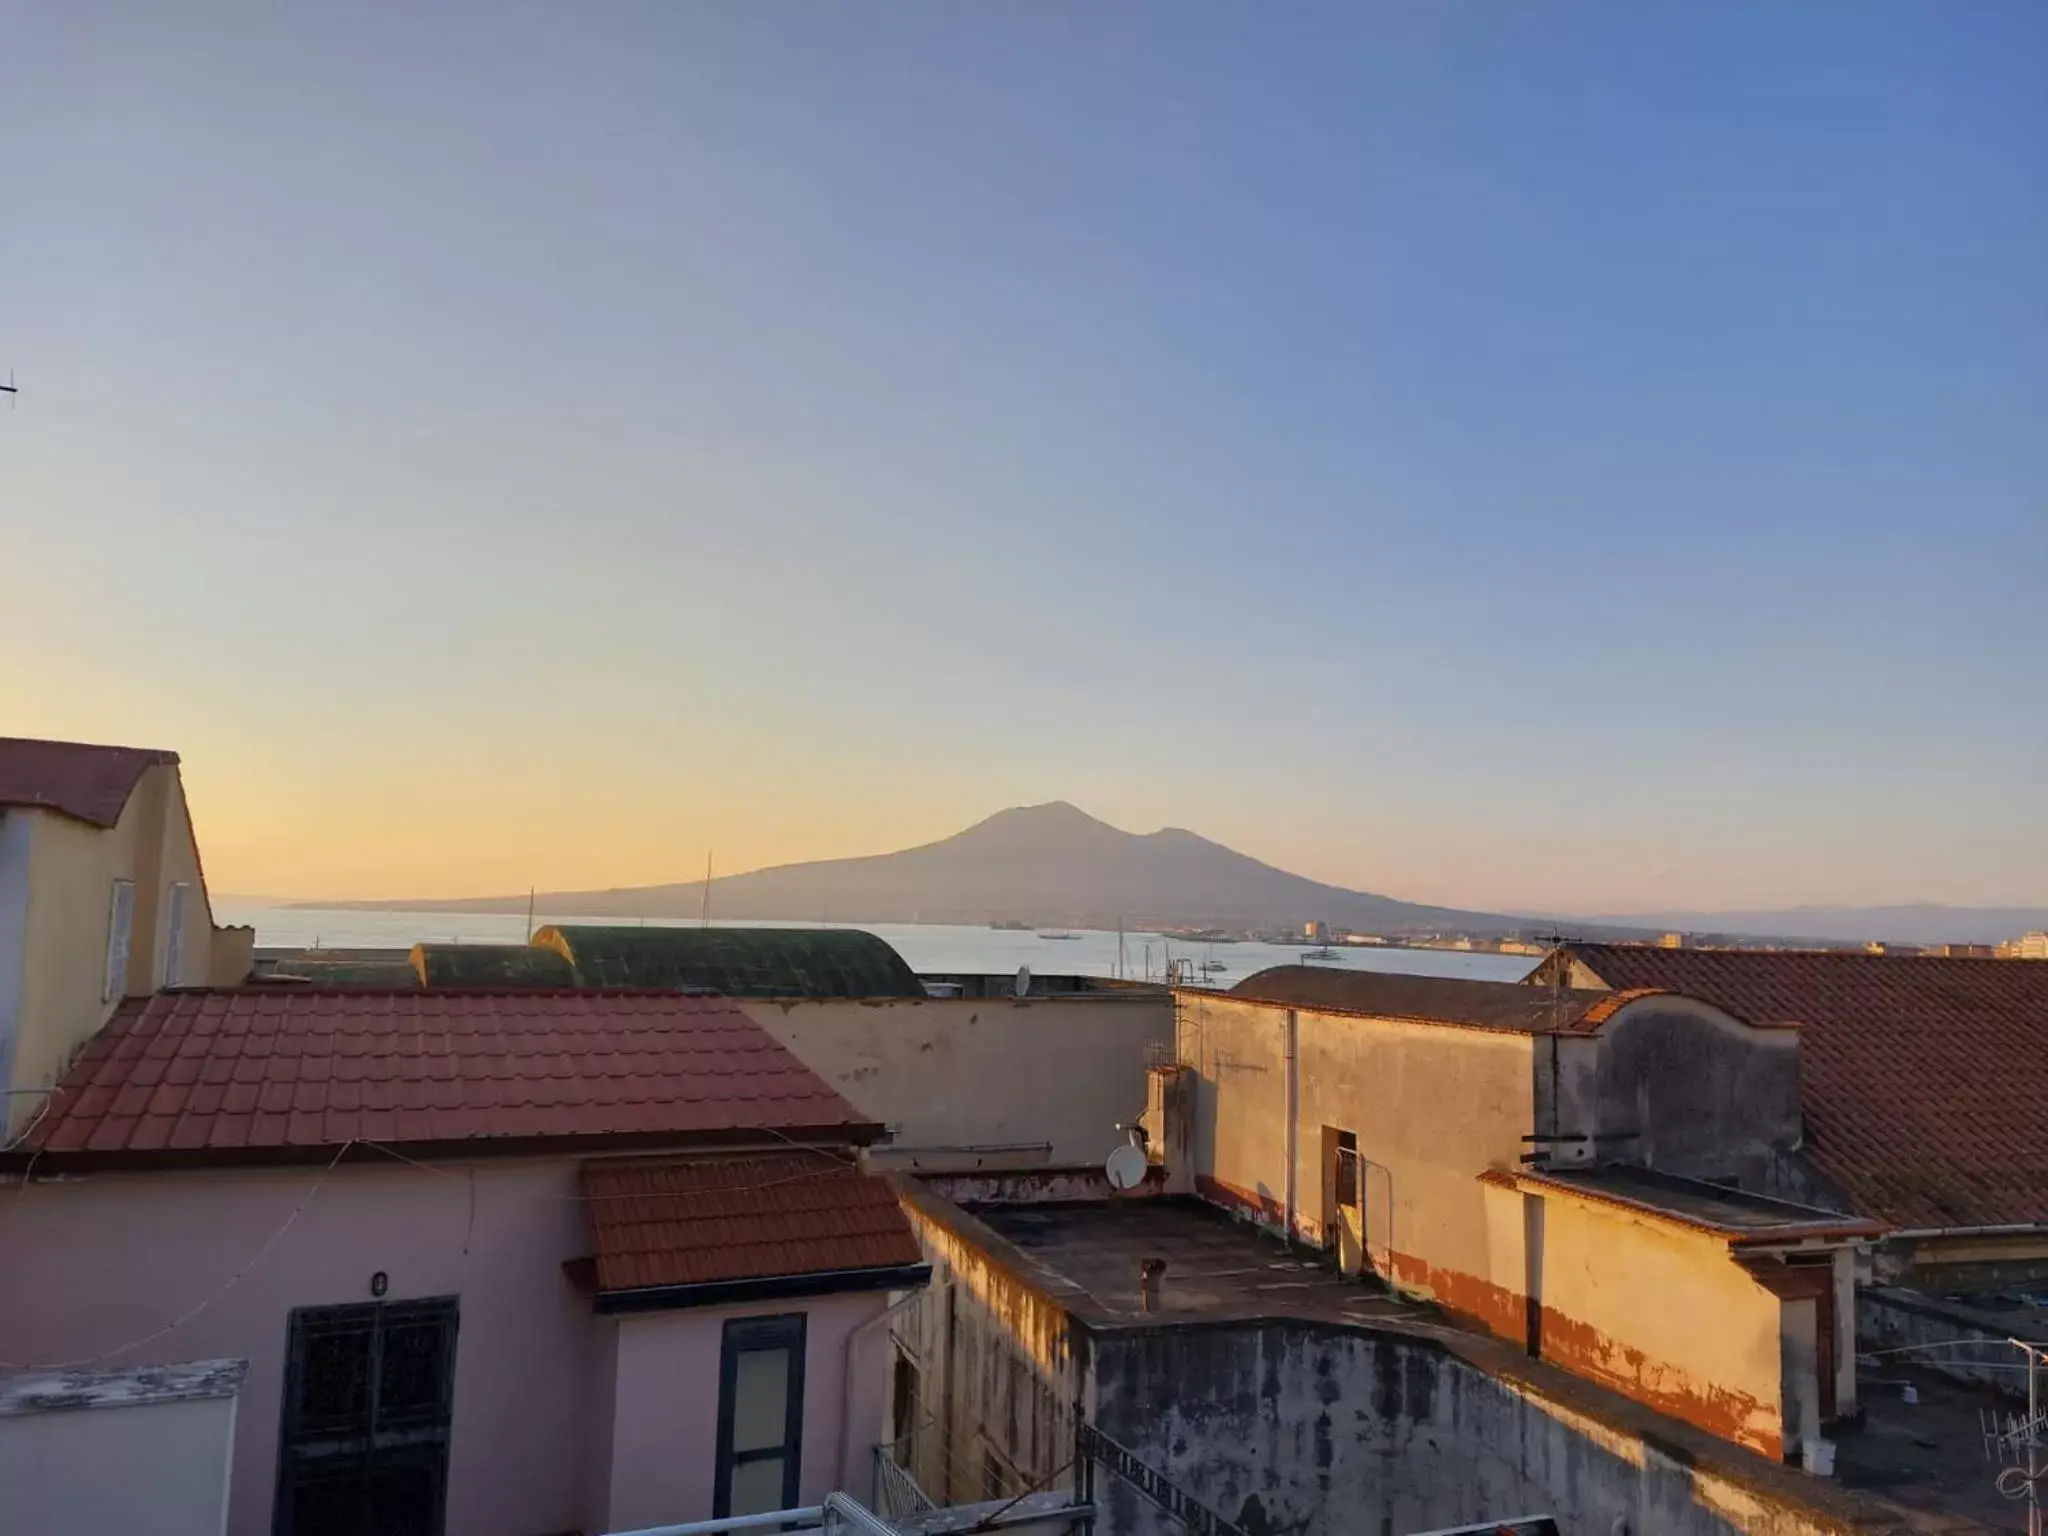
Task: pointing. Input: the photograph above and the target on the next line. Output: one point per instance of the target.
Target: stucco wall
(71, 871)
(664, 1439)
(117, 1257)
(1682, 1087)
(982, 1071)
(155, 1467)
(1664, 1315)
(997, 1371)
(1287, 1427)
(1431, 1107)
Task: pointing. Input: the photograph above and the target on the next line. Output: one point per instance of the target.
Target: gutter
(2009, 1229)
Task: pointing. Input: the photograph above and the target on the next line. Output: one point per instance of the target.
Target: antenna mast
(704, 917)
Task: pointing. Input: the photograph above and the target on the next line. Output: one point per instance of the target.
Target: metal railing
(898, 1494)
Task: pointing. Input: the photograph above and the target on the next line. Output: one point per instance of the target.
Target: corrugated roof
(87, 782)
(661, 1223)
(740, 962)
(1923, 1081)
(1438, 999)
(491, 965)
(297, 1070)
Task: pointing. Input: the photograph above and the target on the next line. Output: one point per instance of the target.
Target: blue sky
(1567, 456)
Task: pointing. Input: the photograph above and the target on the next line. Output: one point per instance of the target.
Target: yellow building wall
(72, 870)
(1432, 1107)
(1663, 1314)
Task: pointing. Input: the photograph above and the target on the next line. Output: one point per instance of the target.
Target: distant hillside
(1919, 923)
(1040, 864)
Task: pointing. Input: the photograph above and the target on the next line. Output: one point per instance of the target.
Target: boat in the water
(1059, 933)
(1323, 952)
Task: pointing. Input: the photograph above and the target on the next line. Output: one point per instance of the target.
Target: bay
(928, 948)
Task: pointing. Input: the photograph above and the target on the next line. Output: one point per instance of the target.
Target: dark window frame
(417, 1435)
(1350, 1175)
(743, 1335)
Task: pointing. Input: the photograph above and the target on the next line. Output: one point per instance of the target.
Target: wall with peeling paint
(1662, 1314)
(1431, 1107)
(1287, 1427)
(1063, 1072)
(1679, 1086)
(996, 1372)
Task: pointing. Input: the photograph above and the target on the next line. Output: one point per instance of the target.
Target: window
(369, 1393)
(1347, 1170)
(174, 934)
(120, 921)
(760, 1415)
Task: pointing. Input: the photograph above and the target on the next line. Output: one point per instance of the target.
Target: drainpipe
(1293, 1136)
(853, 1338)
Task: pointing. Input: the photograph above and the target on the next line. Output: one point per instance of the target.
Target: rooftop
(1923, 1082)
(1731, 1213)
(1085, 1257)
(1505, 1005)
(703, 1222)
(120, 1387)
(87, 782)
(739, 962)
(304, 1073)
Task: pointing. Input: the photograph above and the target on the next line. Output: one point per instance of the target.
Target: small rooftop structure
(738, 962)
(718, 1231)
(491, 965)
(90, 783)
(1504, 1005)
(1923, 1085)
(1746, 1220)
(271, 1073)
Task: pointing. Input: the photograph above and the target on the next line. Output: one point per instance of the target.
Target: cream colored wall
(982, 1071)
(1432, 1107)
(160, 1467)
(72, 868)
(1662, 1313)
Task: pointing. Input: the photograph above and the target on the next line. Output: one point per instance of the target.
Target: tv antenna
(1125, 1166)
(1022, 985)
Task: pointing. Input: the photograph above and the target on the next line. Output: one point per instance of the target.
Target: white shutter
(120, 920)
(174, 936)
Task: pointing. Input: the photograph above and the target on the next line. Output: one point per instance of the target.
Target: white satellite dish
(1023, 980)
(1126, 1166)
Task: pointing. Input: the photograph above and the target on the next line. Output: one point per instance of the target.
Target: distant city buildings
(2028, 946)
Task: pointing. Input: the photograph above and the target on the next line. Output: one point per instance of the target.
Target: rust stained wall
(996, 1369)
(1666, 1316)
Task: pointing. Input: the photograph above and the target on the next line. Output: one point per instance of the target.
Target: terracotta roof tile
(1923, 1081)
(91, 783)
(313, 1070)
(703, 1221)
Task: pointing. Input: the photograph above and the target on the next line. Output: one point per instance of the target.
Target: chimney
(1149, 1273)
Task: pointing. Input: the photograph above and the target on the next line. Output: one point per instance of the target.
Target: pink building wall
(665, 1431)
(96, 1262)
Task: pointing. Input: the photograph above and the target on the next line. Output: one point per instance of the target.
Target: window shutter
(120, 920)
(174, 939)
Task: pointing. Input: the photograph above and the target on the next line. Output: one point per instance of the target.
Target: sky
(1568, 457)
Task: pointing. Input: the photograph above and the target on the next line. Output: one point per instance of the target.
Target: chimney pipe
(1149, 1273)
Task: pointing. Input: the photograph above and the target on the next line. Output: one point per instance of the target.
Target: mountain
(1916, 923)
(1039, 864)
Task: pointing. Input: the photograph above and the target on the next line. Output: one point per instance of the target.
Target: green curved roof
(740, 962)
(490, 965)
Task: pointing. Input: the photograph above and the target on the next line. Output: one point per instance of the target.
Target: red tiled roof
(253, 1070)
(695, 1223)
(1923, 1081)
(88, 782)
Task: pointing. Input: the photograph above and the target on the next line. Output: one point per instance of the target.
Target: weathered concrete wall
(1287, 1427)
(996, 1367)
(1053, 1077)
(160, 1467)
(1432, 1107)
(1957, 1341)
(1662, 1314)
(1681, 1087)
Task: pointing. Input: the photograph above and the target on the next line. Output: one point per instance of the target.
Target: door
(1350, 1204)
(369, 1394)
(760, 1415)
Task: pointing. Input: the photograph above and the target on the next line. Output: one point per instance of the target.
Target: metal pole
(2033, 1442)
